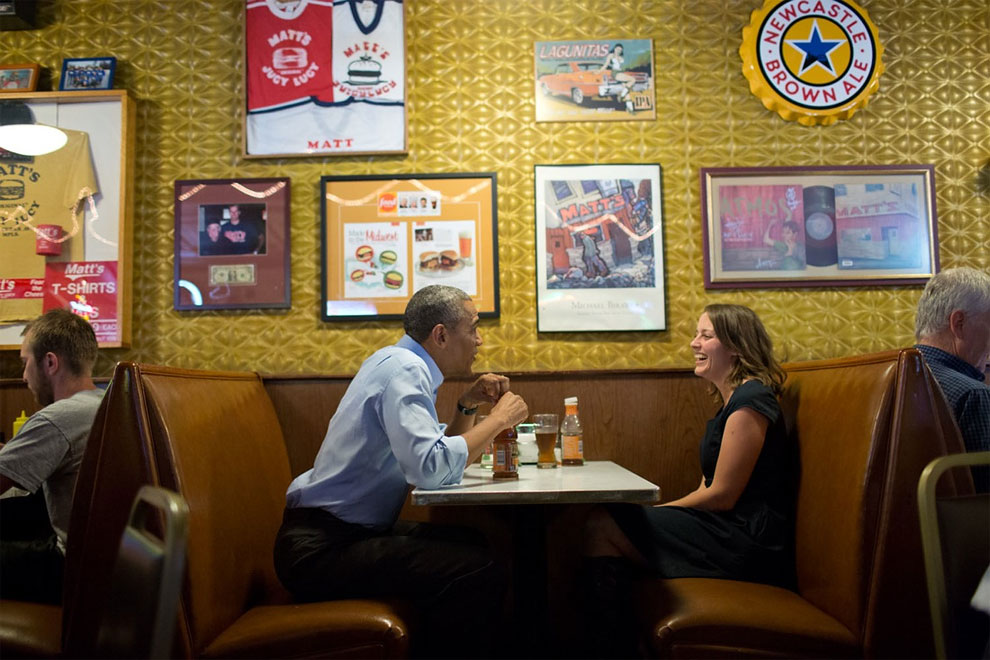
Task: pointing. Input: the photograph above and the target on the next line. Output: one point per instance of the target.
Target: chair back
(955, 536)
(144, 590)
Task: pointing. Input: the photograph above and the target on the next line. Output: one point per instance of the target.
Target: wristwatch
(466, 411)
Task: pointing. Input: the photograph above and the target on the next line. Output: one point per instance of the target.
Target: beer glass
(546, 439)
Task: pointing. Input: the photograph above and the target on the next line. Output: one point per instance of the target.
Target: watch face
(819, 226)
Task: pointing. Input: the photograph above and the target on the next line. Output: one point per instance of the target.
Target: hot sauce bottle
(572, 437)
(506, 464)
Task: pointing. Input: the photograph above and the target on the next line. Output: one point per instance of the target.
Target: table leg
(529, 570)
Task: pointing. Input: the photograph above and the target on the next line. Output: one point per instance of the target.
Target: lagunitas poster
(598, 80)
(88, 289)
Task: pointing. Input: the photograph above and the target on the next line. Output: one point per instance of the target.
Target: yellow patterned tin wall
(470, 67)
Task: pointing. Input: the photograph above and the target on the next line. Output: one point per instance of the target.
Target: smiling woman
(738, 523)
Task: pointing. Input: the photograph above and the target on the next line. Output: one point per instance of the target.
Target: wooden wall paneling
(304, 406)
(14, 397)
(650, 422)
(647, 421)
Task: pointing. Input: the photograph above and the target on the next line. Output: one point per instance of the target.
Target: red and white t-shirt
(289, 52)
(360, 107)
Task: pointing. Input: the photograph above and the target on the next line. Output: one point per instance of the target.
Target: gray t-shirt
(47, 452)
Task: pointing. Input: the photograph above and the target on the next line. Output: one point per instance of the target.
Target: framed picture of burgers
(386, 237)
(232, 244)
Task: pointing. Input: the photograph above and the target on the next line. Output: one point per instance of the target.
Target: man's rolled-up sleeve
(428, 458)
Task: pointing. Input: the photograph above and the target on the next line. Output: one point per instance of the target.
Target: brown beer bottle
(506, 464)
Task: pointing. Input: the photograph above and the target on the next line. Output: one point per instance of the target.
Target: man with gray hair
(340, 535)
(953, 332)
(58, 353)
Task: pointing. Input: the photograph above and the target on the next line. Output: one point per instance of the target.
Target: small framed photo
(87, 73)
(19, 77)
(232, 244)
(819, 226)
(599, 248)
(385, 237)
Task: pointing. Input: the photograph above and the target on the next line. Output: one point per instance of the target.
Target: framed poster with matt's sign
(599, 248)
(324, 78)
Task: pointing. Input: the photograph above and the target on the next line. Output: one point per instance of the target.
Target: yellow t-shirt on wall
(41, 190)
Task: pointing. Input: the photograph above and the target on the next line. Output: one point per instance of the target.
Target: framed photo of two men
(232, 244)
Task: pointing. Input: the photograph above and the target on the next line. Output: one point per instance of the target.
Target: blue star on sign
(817, 51)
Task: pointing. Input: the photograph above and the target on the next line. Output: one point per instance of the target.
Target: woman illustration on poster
(613, 63)
(790, 250)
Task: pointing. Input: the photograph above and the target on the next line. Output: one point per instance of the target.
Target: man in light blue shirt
(340, 537)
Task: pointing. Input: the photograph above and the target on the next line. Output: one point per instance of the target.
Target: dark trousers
(31, 565)
(448, 573)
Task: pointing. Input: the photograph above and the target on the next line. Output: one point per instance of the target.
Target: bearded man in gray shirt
(58, 353)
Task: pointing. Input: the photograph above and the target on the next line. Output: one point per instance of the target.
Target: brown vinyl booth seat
(213, 438)
(217, 442)
(865, 428)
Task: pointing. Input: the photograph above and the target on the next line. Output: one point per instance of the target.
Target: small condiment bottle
(571, 434)
(19, 422)
(506, 464)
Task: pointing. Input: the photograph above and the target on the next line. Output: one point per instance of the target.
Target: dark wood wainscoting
(648, 421)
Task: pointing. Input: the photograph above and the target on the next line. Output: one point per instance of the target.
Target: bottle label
(505, 460)
(572, 447)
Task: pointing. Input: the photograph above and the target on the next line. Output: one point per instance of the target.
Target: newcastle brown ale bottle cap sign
(812, 61)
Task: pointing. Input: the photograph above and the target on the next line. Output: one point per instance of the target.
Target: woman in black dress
(738, 523)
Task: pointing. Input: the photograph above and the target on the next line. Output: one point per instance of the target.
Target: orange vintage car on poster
(608, 80)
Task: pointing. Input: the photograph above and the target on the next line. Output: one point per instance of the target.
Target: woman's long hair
(741, 331)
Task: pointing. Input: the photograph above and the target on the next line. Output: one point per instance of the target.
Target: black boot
(606, 590)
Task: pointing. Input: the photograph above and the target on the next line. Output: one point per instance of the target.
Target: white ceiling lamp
(19, 133)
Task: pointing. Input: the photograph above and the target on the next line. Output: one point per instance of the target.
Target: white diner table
(528, 500)
(593, 482)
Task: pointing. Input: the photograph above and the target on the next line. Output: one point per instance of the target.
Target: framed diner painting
(324, 78)
(232, 244)
(385, 237)
(599, 248)
(819, 226)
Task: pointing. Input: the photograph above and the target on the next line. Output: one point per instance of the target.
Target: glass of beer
(546, 439)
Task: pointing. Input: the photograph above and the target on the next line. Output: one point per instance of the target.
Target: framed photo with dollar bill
(232, 244)
(819, 226)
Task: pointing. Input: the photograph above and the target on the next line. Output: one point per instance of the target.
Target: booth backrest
(865, 427)
(209, 430)
(118, 460)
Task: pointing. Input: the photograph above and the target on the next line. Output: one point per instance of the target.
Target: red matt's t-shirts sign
(89, 289)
